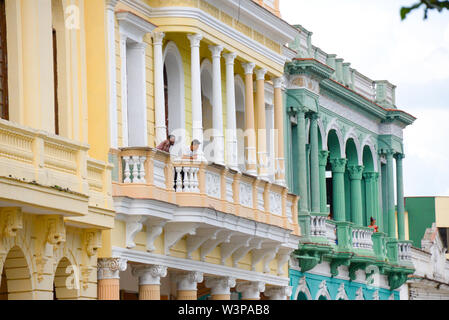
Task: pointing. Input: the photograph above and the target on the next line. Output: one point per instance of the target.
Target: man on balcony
(191, 153)
(167, 144)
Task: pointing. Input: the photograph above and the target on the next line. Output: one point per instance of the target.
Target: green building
(344, 138)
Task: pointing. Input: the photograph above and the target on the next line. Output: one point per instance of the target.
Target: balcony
(356, 247)
(151, 174)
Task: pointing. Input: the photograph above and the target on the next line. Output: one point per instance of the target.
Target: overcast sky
(412, 54)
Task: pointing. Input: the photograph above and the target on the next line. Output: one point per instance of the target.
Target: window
(4, 114)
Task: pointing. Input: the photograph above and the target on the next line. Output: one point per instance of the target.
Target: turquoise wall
(314, 281)
(421, 215)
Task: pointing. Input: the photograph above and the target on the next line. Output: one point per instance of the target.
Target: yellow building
(55, 179)
(89, 208)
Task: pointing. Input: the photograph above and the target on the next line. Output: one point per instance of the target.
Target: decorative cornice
(311, 67)
(133, 26)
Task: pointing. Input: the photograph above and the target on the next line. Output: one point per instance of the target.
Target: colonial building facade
(223, 223)
(55, 179)
(344, 135)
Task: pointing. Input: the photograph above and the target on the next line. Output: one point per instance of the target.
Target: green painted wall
(421, 215)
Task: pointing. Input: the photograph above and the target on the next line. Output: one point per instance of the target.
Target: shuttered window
(4, 114)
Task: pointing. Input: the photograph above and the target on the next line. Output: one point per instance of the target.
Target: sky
(412, 54)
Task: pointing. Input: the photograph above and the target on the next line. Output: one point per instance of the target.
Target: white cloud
(413, 54)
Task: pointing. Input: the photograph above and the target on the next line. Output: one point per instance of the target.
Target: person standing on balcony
(191, 153)
(373, 225)
(167, 144)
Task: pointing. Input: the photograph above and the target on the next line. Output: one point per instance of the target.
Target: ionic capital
(109, 268)
(188, 281)
(216, 51)
(260, 74)
(338, 165)
(220, 285)
(230, 57)
(322, 157)
(251, 289)
(158, 37)
(248, 67)
(149, 275)
(278, 293)
(195, 39)
(355, 172)
(278, 82)
(399, 156)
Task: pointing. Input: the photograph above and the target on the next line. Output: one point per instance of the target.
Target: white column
(124, 86)
(217, 103)
(110, 16)
(261, 124)
(197, 115)
(278, 293)
(159, 94)
(231, 131)
(251, 290)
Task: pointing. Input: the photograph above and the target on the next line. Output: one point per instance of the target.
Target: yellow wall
(442, 212)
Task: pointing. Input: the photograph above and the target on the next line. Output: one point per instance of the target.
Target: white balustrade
(331, 232)
(134, 169)
(404, 251)
(362, 238)
(186, 179)
(318, 226)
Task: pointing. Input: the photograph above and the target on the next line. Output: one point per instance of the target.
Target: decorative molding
(239, 254)
(92, 242)
(359, 294)
(109, 268)
(201, 236)
(188, 281)
(133, 227)
(303, 288)
(208, 246)
(323, 291)
(133, 26)
(175, 231)
(213, 184)
(154, 230)
(250, 290)
(341, 294)
(246, 195)
(11, 221)
(149, 275)
(208, 268)
(220, 285)
(278, 293)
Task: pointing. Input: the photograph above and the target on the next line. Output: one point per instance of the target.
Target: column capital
(355, 172)
(323, 155)
(158, 37)
(149, 275)
(251, 289)
(188, 281)
(216, 51)
(248, 67)
(195, 39)
(278, 293)
(371, 175)
(220, 285)
(399, 156)
(314, 116)
(109, 268)
(230, 57)
(278, 82)
(260, 74)
(390, 153)
(338, 165)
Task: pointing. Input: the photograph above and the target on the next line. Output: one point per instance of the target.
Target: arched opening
(66, 282)
(240, 120)
(333, 145)
(207, 110)
(369, 187)
(351, 156)
(16, 277)
(322, 298)
(174, 92)
(3, 287)
(302, 296)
